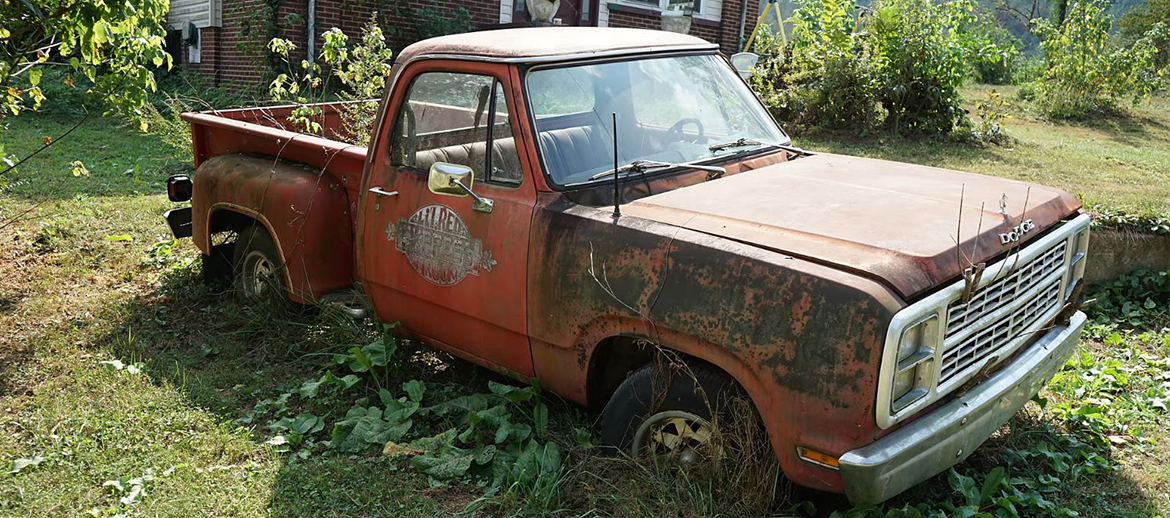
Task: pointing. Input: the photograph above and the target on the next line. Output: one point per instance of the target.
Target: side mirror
(447, 179)
(744, 62)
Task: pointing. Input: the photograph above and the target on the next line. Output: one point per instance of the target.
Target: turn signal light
(818, 458)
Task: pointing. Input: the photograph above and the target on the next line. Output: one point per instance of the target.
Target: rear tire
(659, 409)
(259, 269)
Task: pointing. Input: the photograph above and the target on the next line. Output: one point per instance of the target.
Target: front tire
(662, 410)
(259, 269)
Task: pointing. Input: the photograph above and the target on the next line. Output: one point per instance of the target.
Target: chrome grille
(1003, 291)
(979, 345)
(971, 337)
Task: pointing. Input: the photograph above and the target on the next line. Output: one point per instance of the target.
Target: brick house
(225, 39)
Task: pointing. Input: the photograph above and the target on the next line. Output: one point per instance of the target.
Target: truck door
(446, 266)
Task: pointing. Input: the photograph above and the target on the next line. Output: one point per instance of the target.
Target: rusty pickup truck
(566, 203)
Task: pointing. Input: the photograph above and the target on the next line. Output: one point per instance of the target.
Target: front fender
(305, 210)
(802, 338)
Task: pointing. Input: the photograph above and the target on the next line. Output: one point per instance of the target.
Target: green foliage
(361, 72)
(1138, 298)
(433, 22)
(823, 77)
(114, 45)
(497, 438)
(1085, 73)
(896, 66)
(1001, 62)
(987, 128)
(924, 50)
(1137, 23)
(1153, 223)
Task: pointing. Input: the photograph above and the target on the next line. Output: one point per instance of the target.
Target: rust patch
(800, 312)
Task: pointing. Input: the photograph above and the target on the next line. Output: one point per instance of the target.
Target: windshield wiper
(739, 142)
(641, 166)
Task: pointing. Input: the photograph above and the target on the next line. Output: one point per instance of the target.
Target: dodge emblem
(1016, 233)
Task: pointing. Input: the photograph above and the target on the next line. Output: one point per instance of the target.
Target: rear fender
(305, 211)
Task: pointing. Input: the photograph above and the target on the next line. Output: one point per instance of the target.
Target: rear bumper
(180, 221)
(948, 434)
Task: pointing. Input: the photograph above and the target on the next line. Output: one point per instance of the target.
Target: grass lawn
(1120, 162)
(126, 386)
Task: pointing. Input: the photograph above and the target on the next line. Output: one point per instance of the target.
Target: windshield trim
(530, 118)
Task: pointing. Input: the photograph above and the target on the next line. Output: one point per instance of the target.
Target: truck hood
(893, 222)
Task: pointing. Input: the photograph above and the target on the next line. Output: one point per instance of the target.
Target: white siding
(712, 9)
(602, 13)
(506, 11)
(708, 9)
(202, 13)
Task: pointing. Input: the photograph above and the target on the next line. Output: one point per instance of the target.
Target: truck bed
(266, 131)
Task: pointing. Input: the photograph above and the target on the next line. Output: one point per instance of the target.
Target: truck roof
(536, 44)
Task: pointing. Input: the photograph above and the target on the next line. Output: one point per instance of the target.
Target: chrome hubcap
(673, 432)
(259, 275)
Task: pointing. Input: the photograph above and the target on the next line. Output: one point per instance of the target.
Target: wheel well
(225, 220)
(616, 357)
(217, 265)
(612, 361)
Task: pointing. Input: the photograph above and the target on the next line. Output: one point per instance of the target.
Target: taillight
(179, 187)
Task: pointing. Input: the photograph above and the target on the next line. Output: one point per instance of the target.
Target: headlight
(913, 374)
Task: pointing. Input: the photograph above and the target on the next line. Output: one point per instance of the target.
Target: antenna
(617, 200)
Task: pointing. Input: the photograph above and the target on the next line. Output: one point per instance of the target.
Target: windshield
(678, 109)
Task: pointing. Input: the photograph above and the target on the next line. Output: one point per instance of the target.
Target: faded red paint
(736, 272)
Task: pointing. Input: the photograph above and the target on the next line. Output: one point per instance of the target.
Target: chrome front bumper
(944, 437)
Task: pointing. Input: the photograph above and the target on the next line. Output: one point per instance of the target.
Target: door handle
(380, 192)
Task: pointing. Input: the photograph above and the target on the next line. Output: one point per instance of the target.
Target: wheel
(659, 410)
(259, 270)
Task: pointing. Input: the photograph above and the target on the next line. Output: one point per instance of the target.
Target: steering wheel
(675, 133)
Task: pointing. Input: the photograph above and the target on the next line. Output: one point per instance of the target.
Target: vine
(257, 27)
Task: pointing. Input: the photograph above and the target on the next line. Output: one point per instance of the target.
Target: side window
(505, 159)
(444, 119)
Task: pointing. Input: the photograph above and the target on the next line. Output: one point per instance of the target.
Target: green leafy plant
(361, 72)
(1141, 21)
(896, 65)
(1085, 73)
(1138, 298)
(999, 61)
(436, 22)
(1105, 217)
(114, 45)
(990, 114)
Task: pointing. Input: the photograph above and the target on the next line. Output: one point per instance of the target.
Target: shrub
(433, 23)
(896, 66)
(1137, 23)
(1085, 74)
(923, 50)
(987, 128)
(361, 71)
(1000, 62)
(823, 77)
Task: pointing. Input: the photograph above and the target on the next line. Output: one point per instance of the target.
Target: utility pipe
(310, 45)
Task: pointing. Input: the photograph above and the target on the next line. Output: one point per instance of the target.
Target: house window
(694, 6)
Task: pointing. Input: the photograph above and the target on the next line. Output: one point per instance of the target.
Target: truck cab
(573, 204)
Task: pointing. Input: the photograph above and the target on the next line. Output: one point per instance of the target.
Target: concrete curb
(1116, 252)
